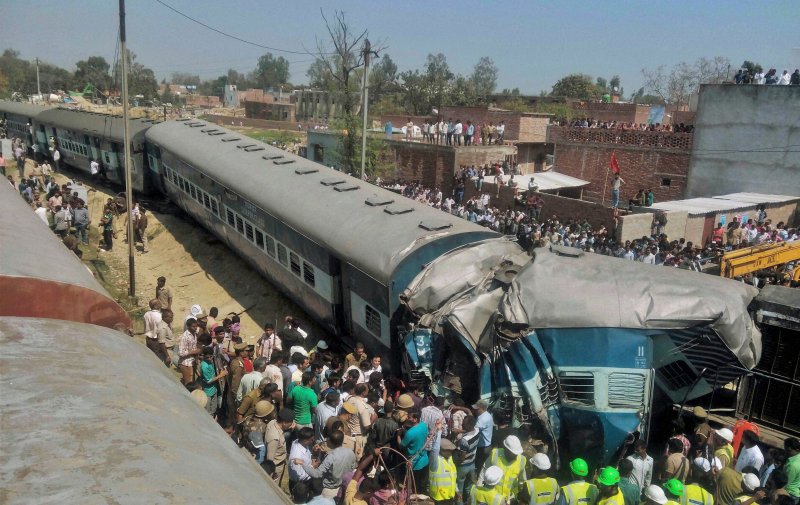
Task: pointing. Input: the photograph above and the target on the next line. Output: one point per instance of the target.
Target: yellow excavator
(752, 259)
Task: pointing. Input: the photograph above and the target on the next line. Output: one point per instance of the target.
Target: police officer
(607, 487)
(540, 489)
(578, 491)
(443, 474)
(256, 426)
(487, 493)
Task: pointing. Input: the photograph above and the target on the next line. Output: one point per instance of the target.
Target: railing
(667, 140)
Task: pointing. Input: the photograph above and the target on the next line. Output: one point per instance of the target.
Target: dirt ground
(198, 267)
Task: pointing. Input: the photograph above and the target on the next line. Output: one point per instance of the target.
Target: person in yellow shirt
(700, 481)
(722, 446)
(486, 492)
(540, 489)
(578, 491)
(608, 488)
(511, 462)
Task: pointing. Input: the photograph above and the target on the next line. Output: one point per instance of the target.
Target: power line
(234, 37)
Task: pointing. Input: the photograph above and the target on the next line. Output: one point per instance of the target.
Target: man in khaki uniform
(163, 294)
(276, 442)
(256, 427)
(360, 423)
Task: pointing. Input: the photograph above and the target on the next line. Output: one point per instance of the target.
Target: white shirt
(642, 472)
(151, 320)
(249, 382)
(650, 259)
(273, 373)
(628, 255)
(784, 79)
(750, 457)
(299, 451)
(94, 168)
(459, 127)
(501, 129)
(42, 213)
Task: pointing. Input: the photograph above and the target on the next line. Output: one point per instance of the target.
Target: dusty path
(199, 270)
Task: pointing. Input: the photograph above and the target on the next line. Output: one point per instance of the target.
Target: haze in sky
(533, 43)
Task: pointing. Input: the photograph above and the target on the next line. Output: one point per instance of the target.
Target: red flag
(614, 165)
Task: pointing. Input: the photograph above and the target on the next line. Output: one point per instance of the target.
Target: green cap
(674, 487)
(609, 476)
(579, 467)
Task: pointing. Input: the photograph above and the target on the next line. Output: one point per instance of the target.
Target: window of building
(577, 387)
(239, 224)
(308, 274)
(248, 231)
(294, 260)
(372, 318)
(282, 256)
(665, 183)
(270, 246)
(259, 239)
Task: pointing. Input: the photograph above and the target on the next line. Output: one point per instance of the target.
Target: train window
(294, 260)
(282, 255)
(192, 192)
(372, 318)
(270, 246)
(626, 390)
(308, 274)
(259, 239)
(239, 224)
(199, 195)
(248, 231)
(577, 387)
(231, 220)
(214, 207)
(206, 201)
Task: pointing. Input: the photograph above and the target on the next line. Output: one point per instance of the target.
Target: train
(359, 258)
(88, 414)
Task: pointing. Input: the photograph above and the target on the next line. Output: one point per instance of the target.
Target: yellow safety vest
(696, 495)
(670, 502)
(579, 493)
(511, 472)
(542, 491)
(485, 496)
(725, 454)
(617, 499)
(743, 498)
(442, 479)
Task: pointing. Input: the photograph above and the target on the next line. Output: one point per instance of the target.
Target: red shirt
(248, 365)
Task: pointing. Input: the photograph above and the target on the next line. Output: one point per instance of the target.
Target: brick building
(260, 104)
(647, 160)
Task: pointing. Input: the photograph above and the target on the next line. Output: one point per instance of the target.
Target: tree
(184, 79)
(511, 92)
(415, 92)
(576, 86)
(141, 80)
(382, 78)
(676, 85)
(601, 83)
(15, 72)
(613, 84)
(271, 72)
(93, 70)
(484, 77)
(438, 77)
(752, 68)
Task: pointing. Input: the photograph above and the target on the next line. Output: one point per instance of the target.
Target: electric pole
(367, 53)
(38, 87)
(126, 135)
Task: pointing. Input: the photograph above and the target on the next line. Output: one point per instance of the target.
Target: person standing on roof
(578, 491)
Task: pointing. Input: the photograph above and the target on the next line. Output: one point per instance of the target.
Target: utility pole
(38, 87)
(127, 138)
(367, 53)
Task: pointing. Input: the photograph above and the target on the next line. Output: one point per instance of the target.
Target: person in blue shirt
(413, 445)
(209, 378)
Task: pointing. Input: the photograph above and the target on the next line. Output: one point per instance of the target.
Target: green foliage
(382, 79)
(271, 72)
(752, 68)
(576, 86)
(141, 80)
(560, 111)
(516, 104)
(184, 79)
(94, 71)
(484, 77)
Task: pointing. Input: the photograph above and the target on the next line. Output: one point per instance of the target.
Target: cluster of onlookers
(453, 133)
(770, 77)
(622, 125)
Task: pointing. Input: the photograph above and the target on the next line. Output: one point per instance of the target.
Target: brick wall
(620, 112)
(646, 160)
(399, 120)
(531, 157)
(521, 126)
(255, 123)
(202, 101)
(270, 111)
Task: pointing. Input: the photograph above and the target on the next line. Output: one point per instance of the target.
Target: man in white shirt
(642, 473)
(649, 258)
(629, 254)
(326, 410)
(300, 454)
(250, 381)
(151, 319)
(94, 169)
(458, 129)
(442, 129)
(784, 78)
(501, 131)
(750, 455)
(42, 213)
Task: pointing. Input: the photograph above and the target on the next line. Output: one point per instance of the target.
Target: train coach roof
(96, 418)
(22, 109)
(372, 228)
(93, 123)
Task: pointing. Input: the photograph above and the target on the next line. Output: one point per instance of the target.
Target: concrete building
(231, 96)
(319, 106)
(260, 104)
(747, 138)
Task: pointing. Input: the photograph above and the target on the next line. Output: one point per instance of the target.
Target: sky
(532, 43)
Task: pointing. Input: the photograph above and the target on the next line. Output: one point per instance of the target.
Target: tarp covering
(554, 290)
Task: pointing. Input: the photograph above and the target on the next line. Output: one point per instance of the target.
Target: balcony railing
(647, 139)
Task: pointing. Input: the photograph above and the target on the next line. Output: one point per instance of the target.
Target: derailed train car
(585, 351)
(87, 414)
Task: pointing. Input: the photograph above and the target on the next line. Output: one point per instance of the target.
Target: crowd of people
(770, 77)
(332, 427)
(453, 133)
(622, 125)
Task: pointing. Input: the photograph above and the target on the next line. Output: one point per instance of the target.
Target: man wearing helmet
(607, 487)
(486, 492)
(256, 426)
(673, 490)
(510, 460)
(578, 491)
(540, 489)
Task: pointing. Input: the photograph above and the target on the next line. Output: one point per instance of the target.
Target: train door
(340, 319)
(92, 153)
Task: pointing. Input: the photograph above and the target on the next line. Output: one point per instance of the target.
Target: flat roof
(758, 198)
(547, 181)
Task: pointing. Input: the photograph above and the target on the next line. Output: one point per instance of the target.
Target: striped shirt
(468, 445)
